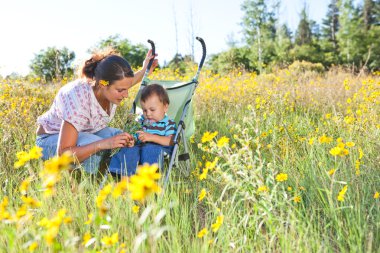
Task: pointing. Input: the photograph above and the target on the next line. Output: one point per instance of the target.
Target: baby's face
(153, 109)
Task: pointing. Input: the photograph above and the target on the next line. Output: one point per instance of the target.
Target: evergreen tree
(303, 33)
(329, 41)
(259, 27)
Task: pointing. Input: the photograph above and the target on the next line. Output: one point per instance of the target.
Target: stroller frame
(180, 134)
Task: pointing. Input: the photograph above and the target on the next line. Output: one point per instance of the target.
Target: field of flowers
(281, 162)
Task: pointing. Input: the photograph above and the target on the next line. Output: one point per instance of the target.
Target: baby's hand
(144, 137)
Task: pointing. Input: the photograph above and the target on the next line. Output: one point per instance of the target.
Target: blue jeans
(49, 144)
(126, 160)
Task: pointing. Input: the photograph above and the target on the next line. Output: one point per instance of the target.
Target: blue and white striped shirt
(164, 127)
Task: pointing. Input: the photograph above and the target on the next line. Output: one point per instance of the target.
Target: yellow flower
(350, 144)
(331, 172)
(263, 188)
(219, 221)
(86, 238)
(203, 175)
(342, 193)
(33, 246)
(202, 233)
(120, 188)
(202, 195)
(207, 136)
(360, 153)
(90, 217)
(25, 185)
(325, 139)
(135, 209)
(222, 142)
(376, 195)
(297, 199)
(143, 182)
(335, 151)
(30, 201)
(110, 240)
(104, 82)
(282, 177)
(35, 152)
(289, 188)
(311, 140)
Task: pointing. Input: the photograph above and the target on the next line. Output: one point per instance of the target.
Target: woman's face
(116, 92)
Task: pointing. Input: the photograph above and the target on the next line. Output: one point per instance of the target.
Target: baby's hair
(155, 89)
(106, 65)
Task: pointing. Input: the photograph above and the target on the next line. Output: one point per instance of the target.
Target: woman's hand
(145, 137)
(148, 57)
(117, 141)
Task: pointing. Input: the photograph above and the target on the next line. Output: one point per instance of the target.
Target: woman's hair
(107, 66)
(155, 89)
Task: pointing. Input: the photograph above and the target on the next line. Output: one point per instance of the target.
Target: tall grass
(263, 154)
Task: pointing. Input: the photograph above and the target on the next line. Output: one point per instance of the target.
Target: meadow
(281, 162)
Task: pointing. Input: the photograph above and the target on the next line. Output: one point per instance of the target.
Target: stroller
(180, 110)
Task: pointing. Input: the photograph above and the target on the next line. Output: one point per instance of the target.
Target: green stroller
(180, 109)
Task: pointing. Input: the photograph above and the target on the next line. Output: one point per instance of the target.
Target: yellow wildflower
(207, 136)
(219, 221)
(86, 238)
(335, 151)
(203, 175)
(281, 177)
(202, 195)
(202, 233)
(263, 188)
(135, 209)
(376, 195)
(350, 144)
(297, 199)
(222, 142)
(342, 193)
(104, 82)
(90, 217)
(143, 182)
(110, 240)
(33, 246)
(331, 172)
(25, 185)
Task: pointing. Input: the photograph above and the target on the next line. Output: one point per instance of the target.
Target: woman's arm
(68, 138)
(140, 73)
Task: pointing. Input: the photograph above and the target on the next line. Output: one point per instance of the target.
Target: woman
(78, 118)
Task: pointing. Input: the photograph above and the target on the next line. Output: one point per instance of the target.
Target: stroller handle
(203, 58)
(203, 51)
(153, 53)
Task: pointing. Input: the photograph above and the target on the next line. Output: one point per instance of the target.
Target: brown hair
(155, 89)
(106, 66)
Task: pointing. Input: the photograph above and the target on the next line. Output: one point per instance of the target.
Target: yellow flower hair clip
(104, 82)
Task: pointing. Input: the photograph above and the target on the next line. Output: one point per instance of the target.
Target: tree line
(348, 36)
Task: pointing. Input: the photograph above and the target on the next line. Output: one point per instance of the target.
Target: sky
(27, 27)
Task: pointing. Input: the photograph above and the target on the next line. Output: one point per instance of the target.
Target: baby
(155, 138)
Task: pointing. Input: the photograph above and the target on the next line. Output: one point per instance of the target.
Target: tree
(233, 59)
(303, 33)
(135, 54)
(330, 27)
(53, 63)
(283, 44)
(259, 27)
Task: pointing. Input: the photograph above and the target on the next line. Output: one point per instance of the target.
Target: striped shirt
(164, 127)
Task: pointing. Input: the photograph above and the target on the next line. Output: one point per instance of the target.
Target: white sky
(28, 26)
